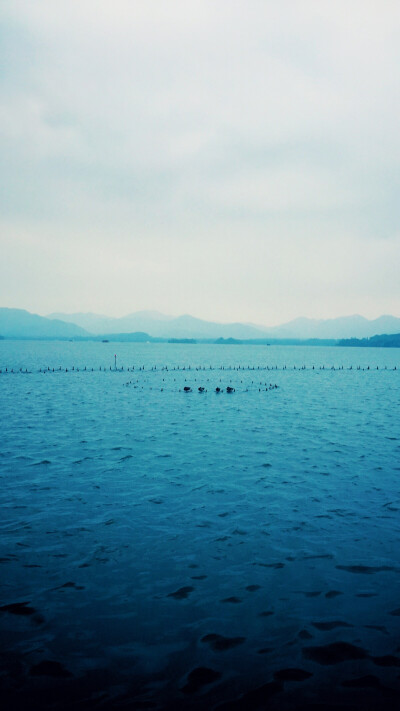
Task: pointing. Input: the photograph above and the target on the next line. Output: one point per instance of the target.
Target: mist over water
(163, 549)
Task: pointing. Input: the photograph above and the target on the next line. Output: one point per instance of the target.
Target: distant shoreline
(379, 341)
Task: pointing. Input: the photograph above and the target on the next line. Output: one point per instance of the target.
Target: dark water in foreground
(172, 550)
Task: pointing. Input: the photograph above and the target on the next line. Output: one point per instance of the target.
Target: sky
(237, 160)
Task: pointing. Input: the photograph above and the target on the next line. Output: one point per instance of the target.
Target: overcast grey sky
(236, 160)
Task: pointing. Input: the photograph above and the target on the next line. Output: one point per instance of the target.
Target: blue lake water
(188, 550)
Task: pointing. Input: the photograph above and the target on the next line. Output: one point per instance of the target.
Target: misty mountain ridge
(160, 325)
(19, 323)
(97, 324)
(341, 327)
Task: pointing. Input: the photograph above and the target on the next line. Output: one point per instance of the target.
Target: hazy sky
(236, 160)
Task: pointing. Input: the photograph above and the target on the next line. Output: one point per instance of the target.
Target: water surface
(163, 549)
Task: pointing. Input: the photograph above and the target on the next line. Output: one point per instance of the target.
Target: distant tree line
(383, 341)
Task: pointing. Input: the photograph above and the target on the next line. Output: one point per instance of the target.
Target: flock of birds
(187, 373)
(201, 389)
(228, 389)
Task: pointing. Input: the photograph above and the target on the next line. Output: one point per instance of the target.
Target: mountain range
(160, 325)
(18, 323)
(157, 324)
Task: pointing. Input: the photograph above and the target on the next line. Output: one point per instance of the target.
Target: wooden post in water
(115, 362)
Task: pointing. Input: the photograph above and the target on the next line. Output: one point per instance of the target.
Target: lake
(164, 549)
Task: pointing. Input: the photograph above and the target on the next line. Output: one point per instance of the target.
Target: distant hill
(96, 324)
(152, 325)
(228, 342)
(383, 341)
(18, 323)
(159, 325)
(336, 328)
(136, 337)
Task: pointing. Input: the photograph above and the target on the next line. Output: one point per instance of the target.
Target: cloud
(155, 125)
